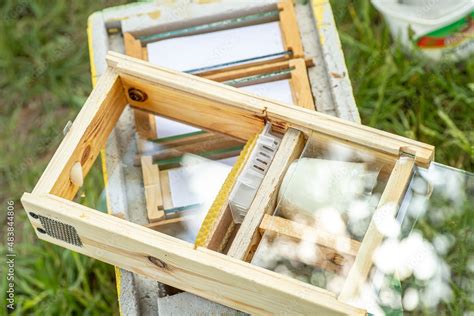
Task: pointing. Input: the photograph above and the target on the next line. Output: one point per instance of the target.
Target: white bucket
(439, 29)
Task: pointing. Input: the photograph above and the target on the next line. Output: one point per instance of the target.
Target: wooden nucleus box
(221, 273)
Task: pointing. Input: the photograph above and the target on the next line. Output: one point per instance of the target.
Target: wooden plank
(165, 101)
(166, 190)
(247, 237)
(133, 47)
(386, 209)
(282, 226)
(269, 66)
(86, 137)
(241, 114)
(159, 225)
(152, 187)
(203, 272)
(289, 28)
(144, 122)
(301, 89)
(335, 253)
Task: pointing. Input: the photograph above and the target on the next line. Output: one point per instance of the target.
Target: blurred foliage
(44, 80)
(425, 100)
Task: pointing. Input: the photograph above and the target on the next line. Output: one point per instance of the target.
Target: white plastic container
(439, 29)
(252, 175)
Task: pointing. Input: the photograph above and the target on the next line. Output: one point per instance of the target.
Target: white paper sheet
(279, 90)
(166, 127)
(209, 49)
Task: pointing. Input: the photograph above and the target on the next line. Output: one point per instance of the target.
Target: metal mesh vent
(60, 231)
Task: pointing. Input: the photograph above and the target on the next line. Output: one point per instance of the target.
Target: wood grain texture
(174, 262)
(86, 137)
(159, 225)
(182, 106)
(248, 236)
(289, 28)
(133, 47)
(152, 187)
(144, 122)
(210, 101)
(301, 88)
(386, 210)
(166, 190)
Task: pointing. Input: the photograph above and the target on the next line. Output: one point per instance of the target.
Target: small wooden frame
(215, 107)
(298, 78)
(145, 123)
(152, 187)
(387, 208)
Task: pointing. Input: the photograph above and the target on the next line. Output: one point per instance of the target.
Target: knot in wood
(157, 262)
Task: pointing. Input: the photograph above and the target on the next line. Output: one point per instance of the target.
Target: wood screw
(137, 95)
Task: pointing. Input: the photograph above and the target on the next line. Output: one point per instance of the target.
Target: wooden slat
(166, 190)
(181, 106)
(289, 28)
(152, 187)
(86, 137)
(203, 272)
(133, 47)
(386, 210)
(282, 226)
(301, 88)
(172, 221)
(247, 237)
(144, 122)
(242, 115)
(269, 66)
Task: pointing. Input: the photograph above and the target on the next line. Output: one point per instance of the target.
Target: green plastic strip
(176, 137)
(268, 75)
(182, 208)
(237, 62)
(206, 154)
(210, 26)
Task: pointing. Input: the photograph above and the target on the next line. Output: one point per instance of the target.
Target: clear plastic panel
(326, 201)
(428, 267)
(193, 167)
(325, 204)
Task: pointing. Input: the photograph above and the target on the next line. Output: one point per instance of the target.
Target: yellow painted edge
(224, 192)
(102, 152)
(318, 13)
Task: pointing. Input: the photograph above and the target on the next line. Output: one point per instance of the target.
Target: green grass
(44, 80)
